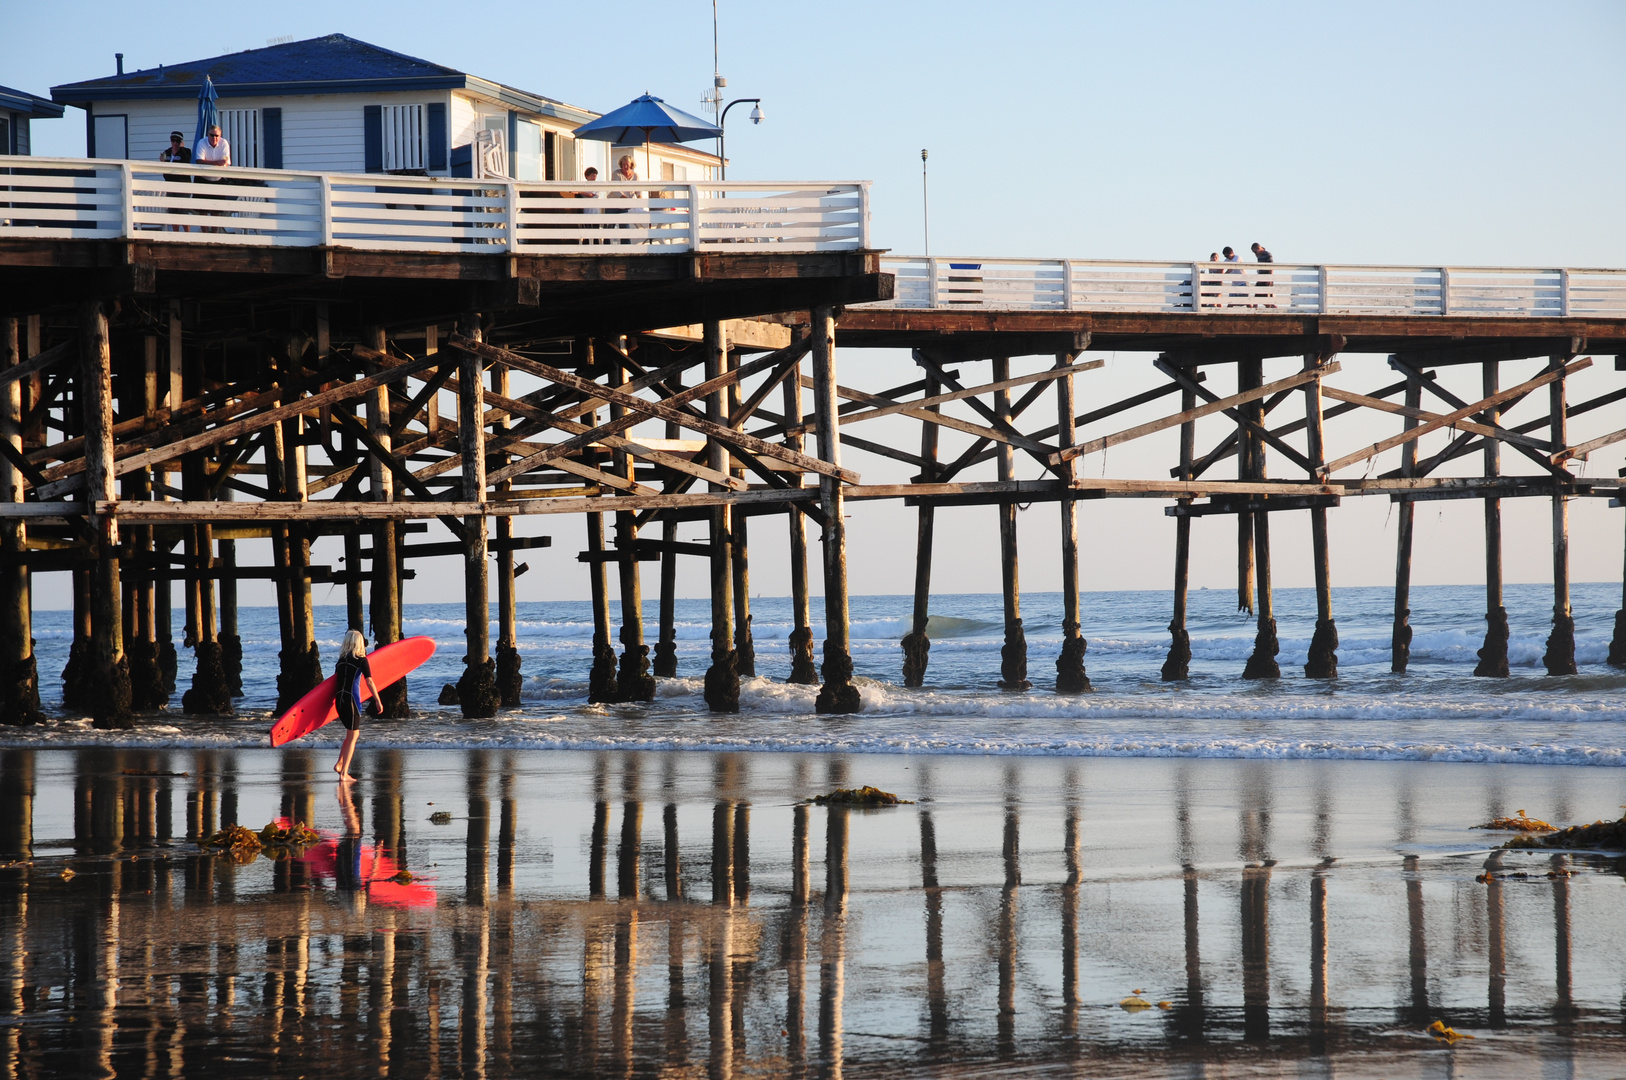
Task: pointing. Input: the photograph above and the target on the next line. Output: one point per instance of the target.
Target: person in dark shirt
(1261, 255)
(349, 672)
(176, 151)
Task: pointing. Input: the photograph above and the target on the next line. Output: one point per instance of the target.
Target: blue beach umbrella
(647, 119)
(208, 115)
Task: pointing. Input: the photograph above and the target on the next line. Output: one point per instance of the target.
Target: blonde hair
(626, 159)
(354, 644)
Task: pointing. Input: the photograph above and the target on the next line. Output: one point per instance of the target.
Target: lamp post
(925, 207)
(722, 122)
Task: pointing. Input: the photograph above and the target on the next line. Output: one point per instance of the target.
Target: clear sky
(1465, 133)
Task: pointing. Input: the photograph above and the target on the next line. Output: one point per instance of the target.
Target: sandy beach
(636, 913)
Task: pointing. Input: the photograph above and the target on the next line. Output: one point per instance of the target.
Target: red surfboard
(390, 663)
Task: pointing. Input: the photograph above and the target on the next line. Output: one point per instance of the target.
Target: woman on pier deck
(349, 671)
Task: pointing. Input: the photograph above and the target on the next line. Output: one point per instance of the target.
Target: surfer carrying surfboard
(349, 672)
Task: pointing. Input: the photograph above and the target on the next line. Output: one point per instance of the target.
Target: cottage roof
(23, 102)
(335, 64)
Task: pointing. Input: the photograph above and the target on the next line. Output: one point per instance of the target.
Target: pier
(191, 362)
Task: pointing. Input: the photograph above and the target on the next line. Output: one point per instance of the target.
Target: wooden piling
(1617, 643)
(1013, 655)
(601, 683)
(1262, 663)
(1071, 677)
(740, 554)
(633, 681)
(384, 597)
(106, 690)
(916, 644)
(355, 616)
(665, 662)
(1493, 654)
(301, 662)
(1560, 655)
(722, 686)
(1177, 665)
(230, 637)
(147, 690)
(803, 670)
(19, 672)
(1322, 662)
(1400, 642)
(838, 694)
(477, 688)
(510, 680)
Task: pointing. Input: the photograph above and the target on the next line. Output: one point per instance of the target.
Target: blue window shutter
(271, 137)
(90, 133)
(373, 127)
(435, 118)
(513, 136)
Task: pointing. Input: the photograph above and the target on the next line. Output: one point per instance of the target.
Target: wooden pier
(188, 368)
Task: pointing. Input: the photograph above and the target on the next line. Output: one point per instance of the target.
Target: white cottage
(335, 104)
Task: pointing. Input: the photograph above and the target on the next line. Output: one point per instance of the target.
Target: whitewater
(1436, 712)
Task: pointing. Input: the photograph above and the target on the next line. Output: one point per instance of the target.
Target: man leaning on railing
(212, 149)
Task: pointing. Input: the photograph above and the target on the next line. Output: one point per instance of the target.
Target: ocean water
(1438, 711)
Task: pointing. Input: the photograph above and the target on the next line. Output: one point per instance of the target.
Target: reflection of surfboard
(390, 664)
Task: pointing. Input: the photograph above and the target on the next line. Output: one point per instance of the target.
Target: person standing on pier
(1261, 255)
(351, 669)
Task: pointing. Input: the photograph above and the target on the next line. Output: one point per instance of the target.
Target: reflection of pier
(780, 976)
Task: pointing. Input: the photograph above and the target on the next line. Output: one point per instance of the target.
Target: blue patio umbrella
(208, 115)
(647, 119)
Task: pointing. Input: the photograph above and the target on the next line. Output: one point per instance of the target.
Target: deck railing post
(1067, 285)
(511, 215)
(863, 215)
(1445, 290)
(126, 201)
(1322, 305)
(1196, 286)
(931, 282)
(324, 209)
(694, 217)
(1563, 292)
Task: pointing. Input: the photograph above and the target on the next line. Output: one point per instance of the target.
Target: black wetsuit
(349, 672)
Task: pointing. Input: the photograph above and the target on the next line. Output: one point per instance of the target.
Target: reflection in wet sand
(154, 958)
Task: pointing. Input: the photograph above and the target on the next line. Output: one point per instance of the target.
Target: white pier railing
(80, 199)
(1086, 285)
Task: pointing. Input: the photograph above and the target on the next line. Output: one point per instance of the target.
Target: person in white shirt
(212, 149)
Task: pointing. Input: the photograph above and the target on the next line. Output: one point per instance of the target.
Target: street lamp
(756, 118)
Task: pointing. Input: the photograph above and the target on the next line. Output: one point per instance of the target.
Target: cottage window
(403, 134)
(527, 151)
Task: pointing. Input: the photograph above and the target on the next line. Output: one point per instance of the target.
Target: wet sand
(643, 914)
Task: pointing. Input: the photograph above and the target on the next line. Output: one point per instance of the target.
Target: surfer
(348, 673)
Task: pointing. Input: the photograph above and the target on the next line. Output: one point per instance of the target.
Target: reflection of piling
(1318, 959)
(627, 855)
(833, 945)
(1256, 951)
(722, 854)
(936, 998)
(507, 829)
(477, 841)
(1496, 921)
(1006, 933)
(1564, 1008)
(742, 853)
(1069, 920)
(1190, 1018)
(597, 844)
(1417, 950)
(674, 870)
(16, 805)
(626, 985)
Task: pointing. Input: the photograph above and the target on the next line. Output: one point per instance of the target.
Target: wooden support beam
(1249, 418)
(1002, 431)
(106, 687)
(803, 671)
(1013, 668)
(1218, 405)
(1071, 678)
(657, 409)
(1262, 663)
(1559, 657)
(19, 671)
(1177, 664)
(1493, 661)
(932, 399)
(1547, 457)
(916, 644)
(1400, 638)
(1322, 662)
(37, 363)
(1451, 418)
(477, 689)
(722, 686)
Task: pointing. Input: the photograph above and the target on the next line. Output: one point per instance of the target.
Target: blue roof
(335, 64)
(26, 103)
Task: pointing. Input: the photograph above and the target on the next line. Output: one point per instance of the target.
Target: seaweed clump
(243, 844)
(1521, 824)
(1599, 836)
(864, 796)
(441, 817)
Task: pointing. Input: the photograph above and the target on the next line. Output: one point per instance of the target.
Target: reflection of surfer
(347, 875)
(351, 669)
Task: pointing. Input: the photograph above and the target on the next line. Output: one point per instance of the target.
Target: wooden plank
(1488, 431)
(39, 363)
(987, 388)
(1209, 409)
(1451, 418)
(658, 410)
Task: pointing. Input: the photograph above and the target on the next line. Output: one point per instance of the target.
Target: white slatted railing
(1085, 285)
(68, 198)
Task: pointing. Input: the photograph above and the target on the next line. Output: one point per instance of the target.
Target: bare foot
(346, 778)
